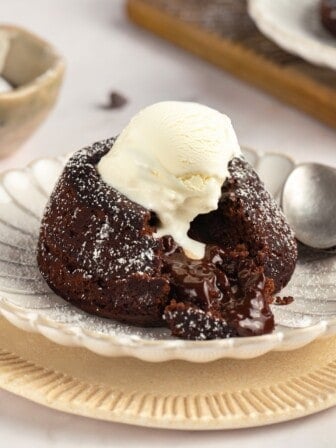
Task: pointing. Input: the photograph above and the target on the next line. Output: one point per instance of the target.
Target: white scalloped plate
(296, 27)
(27, 302)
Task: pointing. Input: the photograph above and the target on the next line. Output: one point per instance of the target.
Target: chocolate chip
(116, 101)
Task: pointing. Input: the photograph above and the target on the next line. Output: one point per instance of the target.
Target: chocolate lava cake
(97, 250)
(328, 15)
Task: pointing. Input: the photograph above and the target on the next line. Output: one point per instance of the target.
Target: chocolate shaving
(116, 101)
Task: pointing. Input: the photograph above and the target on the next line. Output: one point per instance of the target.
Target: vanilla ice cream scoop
(172, 158)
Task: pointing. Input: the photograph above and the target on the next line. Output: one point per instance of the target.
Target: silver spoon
(309, 203)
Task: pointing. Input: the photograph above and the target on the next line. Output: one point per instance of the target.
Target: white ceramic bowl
(295, 26)
(35, 70)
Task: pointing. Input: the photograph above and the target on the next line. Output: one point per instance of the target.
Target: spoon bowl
(309, 203)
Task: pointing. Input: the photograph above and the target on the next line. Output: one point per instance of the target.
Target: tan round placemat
(177, 394)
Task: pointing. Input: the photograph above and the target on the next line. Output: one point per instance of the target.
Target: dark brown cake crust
(247, 214)
(328, 15)
(95, 247)
(96, 250)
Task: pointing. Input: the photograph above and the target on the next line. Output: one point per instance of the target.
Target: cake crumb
(283, 300)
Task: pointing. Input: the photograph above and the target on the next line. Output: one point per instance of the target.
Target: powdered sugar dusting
(108, 222)
(261, 209)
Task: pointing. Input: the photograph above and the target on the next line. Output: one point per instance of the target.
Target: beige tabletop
(105, 53)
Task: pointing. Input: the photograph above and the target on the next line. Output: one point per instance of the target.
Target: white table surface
(105, 52)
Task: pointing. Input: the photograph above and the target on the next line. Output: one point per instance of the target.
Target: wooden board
(221, 32)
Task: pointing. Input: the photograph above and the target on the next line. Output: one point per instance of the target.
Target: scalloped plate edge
(164, 350)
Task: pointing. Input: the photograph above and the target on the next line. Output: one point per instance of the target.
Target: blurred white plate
(27, 302)
(296, 27)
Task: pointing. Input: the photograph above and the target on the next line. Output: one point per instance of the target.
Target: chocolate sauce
(200, 282)
(225, 285)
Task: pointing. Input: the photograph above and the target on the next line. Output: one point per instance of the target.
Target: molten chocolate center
(227, 284)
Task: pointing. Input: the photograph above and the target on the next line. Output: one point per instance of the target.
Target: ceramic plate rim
(126, 345)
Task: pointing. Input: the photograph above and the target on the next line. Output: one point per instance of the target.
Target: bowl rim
(55, 71)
